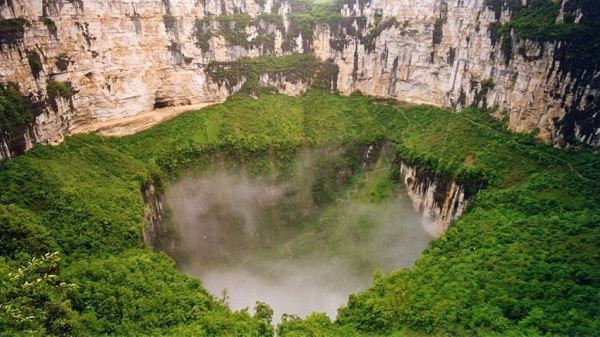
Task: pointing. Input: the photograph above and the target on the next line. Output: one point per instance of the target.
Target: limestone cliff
(447, 53)
(87, 60)
(438, 199)
(121, 58)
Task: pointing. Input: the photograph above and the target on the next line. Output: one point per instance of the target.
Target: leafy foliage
(522, 261)
(22, 234)
(295, 68)
(12, 30)
(57, 89)
(51, 25)
(538, 20)
(35, 63)
(62, 62)
(35, 300)
(15, 112)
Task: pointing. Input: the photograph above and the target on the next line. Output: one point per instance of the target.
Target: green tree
(34, 301)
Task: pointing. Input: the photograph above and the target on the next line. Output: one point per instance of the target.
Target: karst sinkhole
(301, 239)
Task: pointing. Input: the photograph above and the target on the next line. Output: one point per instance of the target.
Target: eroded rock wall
(447, 53)
(125, 57)
(437, 198)
(121, 57)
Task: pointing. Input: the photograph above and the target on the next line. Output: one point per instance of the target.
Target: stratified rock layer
(438, 199)
(126, 57)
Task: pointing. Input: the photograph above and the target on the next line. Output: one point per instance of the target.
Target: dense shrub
(55, 89)
(521, 261)
(51, 25)
(15, 111)
(63, 61)
(35, 63)
(12, 30)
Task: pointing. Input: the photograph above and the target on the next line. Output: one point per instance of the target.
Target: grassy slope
(523, 260)
(83, 199)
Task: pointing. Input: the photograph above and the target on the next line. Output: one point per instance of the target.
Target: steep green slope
(83, 199)
(523, 260)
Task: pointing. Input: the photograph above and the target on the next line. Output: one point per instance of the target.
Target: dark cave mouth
(302, 238)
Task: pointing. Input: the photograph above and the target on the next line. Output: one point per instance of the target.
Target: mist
(260, 238)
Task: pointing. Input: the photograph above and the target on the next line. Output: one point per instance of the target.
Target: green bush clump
(51, 25)
(14, 25)
(55, 89)
(35, 63)
(22, 235)
(62, 62)
(15, 112)
(12, 30)
(303, 68)
(35, 299)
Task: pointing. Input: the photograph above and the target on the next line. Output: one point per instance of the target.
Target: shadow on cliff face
(301, 244)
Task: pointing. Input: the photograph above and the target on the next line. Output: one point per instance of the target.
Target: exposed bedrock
(437, 198)
(120, 58)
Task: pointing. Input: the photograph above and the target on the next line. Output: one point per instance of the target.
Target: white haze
(234, 234)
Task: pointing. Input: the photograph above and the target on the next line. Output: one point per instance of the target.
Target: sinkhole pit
(302, 237)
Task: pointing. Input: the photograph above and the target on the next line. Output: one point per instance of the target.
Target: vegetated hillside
(523, 260)
(83, 200)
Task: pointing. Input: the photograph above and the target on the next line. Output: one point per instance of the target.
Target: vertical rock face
(445, 53)
(439, 199)
(121, 57)
(125, 57)
(154, 233)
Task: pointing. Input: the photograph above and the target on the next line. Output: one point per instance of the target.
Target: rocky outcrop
(121, 57)
(128, 57)
(156, 234)
(437, 198)
(447, 53)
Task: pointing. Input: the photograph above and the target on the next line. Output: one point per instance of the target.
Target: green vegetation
(12, 30)
(35, 63)
(15, 25)
(37, 300)
(522, 261)
(56, 89)
(537, 20)
(302, 68)
(51, 25)
(15, 112)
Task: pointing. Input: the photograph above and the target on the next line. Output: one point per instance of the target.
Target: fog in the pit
(267, 240)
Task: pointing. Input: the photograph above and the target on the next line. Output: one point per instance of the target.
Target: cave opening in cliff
(300, 234)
